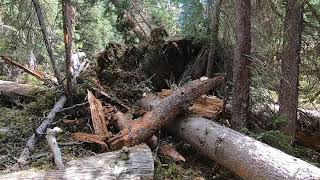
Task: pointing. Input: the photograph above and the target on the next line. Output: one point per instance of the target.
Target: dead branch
(39, 75)
(40, 131)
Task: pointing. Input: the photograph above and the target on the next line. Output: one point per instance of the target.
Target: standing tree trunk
(241, 66)
(68, 21)
(44, 31)
(288, 95)
(213, 18)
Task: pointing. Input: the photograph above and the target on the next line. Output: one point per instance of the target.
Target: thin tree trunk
(68, 20)
(44, 31)
(241, 66)
(288, 95)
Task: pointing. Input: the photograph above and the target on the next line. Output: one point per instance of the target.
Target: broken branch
(166, 110)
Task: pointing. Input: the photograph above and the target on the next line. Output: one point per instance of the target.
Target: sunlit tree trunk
(241, 66)
(288, 94)
(68, 21)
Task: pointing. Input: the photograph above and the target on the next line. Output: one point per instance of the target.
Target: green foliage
(192, 19)
(170, 172)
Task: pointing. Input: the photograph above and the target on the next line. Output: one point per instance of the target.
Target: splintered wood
(92, 138)
(205, 106)
(97, 116)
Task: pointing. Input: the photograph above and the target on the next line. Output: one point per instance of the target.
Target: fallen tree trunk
(10, 88)
(40, 131)
(136, 163)
(165, 111)
(243, 155)
(121, 121)
(41, 76)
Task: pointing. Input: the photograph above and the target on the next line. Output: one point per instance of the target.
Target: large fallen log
(165, 111)
(132, 163)
(243, 155)
(10, 88)
(40, 131)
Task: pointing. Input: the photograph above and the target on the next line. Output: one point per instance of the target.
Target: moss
(168, 171)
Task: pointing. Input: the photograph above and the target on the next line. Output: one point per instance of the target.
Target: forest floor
(125, 73)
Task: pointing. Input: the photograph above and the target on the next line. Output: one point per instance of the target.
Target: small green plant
(169, 171)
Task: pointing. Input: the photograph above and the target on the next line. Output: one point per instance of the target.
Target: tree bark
(9, 88)
(44, 31)
(288, 93)
(241, 66)
(136, 163)
(165, 111)
(68, 20)
(122, 121)
(213, 16)
(245, 156)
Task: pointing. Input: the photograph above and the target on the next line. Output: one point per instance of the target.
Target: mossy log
(131, 163)
(245, 156)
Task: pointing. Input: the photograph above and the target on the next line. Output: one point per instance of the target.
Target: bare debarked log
(245, 156)
(130, 163)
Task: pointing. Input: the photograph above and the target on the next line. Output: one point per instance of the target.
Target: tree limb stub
(245, 156)
(166, 110)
